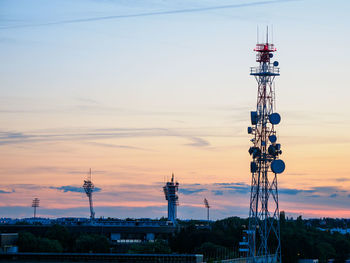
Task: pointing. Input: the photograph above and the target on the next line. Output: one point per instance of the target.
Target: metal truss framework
(264, 229)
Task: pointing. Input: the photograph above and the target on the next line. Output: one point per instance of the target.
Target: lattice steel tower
(89, 188)
(170, 191)
(264, 229)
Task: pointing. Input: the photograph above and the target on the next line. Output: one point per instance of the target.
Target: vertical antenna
(267, 34)
(257, 34)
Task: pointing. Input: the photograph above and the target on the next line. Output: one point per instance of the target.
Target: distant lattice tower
(170, 191)
(89, 188)
(264, 244)
(35, 205)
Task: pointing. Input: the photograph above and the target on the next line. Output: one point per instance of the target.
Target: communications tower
(207, 206)
(170, 191)
(89, 188)
(264, 244)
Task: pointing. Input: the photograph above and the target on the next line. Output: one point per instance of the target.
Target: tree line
(300, 239)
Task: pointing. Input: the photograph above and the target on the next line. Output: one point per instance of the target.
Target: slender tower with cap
(89, 188)
(207, 206)
(264, 244)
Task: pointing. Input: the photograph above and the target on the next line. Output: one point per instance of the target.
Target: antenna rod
(267, 34)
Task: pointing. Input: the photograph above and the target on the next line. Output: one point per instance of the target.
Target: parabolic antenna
(253, 167)
(271, 55)
(274, 118)
(254, 117)
(272, 138)
(275, 63)
(277, 166)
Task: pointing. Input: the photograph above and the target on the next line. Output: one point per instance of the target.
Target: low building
(8, 242)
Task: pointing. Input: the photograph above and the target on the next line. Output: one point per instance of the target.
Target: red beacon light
(264, 51)
(266, 47)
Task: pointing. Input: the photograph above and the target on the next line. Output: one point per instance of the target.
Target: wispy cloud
(48, 170)
(241, 188)
(110, 145)
(217, 192)
(146, 14)
(198, 142)
(191, 191)
(6, 191)
(291, 191)
(190, 198)
(70, 188)
(7, 138)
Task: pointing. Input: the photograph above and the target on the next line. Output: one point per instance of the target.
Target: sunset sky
(138, 90)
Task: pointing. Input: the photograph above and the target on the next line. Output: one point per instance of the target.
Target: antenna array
(263, 233)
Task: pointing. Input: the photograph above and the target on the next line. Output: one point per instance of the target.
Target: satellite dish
(271, 55)
(272, 138)
(274, 118)
(254, 117)
(250, 130)
(272, 150)
(278, 166)
(253, 167)
(275, 63)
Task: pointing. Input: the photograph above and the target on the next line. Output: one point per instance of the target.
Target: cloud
(146, 14)
(229, 184)
(7, 138)
(48, 169)
(190, 191)
(328, 189)
(198, 142)
(243, 188)
(240, 188)
(291, 191)
(6, 191)
(75, 189)
(342, 179)
(109, 145)
(58, 201)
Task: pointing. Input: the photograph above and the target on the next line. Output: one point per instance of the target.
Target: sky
(138, 90)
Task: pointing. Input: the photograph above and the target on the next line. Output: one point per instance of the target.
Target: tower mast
(207, 206)
(89, 188)
(35, 205)
(264, 229)
(170, 191)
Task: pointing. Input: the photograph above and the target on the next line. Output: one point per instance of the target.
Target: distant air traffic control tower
(264, 244)
(170, 192)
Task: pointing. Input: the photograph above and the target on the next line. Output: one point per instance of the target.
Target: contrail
(170, 12)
